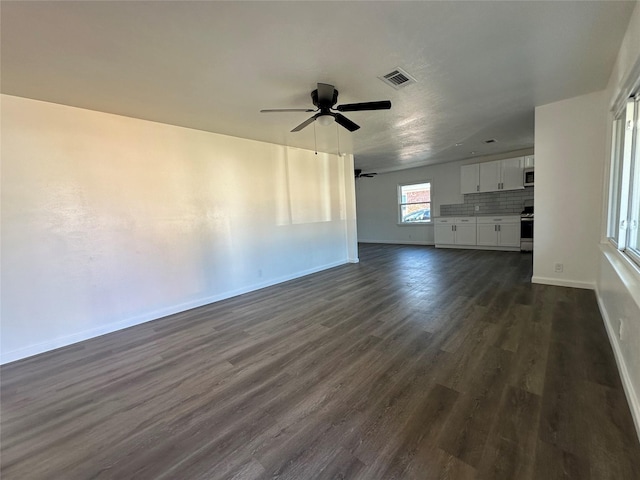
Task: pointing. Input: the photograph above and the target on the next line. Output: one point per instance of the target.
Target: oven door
(526, 234)
(526, 228)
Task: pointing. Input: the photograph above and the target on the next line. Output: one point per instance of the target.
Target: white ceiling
(481, 67)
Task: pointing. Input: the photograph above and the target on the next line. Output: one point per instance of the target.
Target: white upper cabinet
(529, 161)
(512, 174)
(470, 178)
(490, 176)
(493, 176)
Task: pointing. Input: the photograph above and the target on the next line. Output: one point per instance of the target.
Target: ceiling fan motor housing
(324, 105)
(324, 98)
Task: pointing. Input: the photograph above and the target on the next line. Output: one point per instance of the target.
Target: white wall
(573, 145)
(570, 145)
(377, 204)
(110, 221)
(618, 292)
(618, 281)
(377, 200)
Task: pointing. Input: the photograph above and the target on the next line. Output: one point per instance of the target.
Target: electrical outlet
(558, 268)
(477, 208)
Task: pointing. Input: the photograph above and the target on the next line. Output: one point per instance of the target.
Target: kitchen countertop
(483, 215)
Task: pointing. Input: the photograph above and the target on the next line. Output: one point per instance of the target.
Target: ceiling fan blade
(356, 107)
(346, 123)
(325, 93)
(305, 123)
(272, 110)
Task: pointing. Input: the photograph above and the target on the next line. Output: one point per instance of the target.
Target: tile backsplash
(490, 203)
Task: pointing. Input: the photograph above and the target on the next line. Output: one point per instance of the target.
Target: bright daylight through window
(624, 197)
(414, 202)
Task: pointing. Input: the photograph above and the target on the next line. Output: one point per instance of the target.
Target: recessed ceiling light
(459, 144)
(473, 153)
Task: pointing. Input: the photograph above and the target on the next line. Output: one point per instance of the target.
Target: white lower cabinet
(465, 234)
(499, 231)
(455, 231)
(444, 234)
(492, 233)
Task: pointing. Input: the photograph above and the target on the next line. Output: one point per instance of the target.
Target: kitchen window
(624, 198)
(414, 203)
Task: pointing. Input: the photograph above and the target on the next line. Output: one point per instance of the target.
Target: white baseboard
(479, 247)
(561, 282)
(66, 340)
(397, 242)
(627, 384)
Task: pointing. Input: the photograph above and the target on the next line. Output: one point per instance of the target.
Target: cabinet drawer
(499, 219)
(455, 220)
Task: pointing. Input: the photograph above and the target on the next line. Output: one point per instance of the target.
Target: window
(624, 198)
(616, 178)
(414, 203)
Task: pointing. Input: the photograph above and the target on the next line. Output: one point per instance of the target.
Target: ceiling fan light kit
(325, 97)
(325, 120)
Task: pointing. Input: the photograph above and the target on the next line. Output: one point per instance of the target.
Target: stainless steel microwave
(528, 177)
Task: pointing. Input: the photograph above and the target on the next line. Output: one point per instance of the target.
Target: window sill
(626, 269)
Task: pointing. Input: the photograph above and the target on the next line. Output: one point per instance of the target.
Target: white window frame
(401, 203)
(628, 191)
(632, 245)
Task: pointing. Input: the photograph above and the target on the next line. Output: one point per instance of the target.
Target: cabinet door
(509, 235)
(529, 161)
(512, 173)
(444, 234)
(469, 181)
(465, 234)
(487, 234)
(489, 176)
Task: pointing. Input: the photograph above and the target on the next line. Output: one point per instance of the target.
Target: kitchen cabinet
(490, 177)
(455, 231)
(493, 176)
(498, 231)
(529, 161)
(512, 173)
(470, 178)
(465, 233)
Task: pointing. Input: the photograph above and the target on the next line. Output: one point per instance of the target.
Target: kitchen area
(497, 212)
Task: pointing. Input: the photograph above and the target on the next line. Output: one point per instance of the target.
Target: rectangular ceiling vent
(398, 79)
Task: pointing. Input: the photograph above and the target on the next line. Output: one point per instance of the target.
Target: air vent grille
(398, 78)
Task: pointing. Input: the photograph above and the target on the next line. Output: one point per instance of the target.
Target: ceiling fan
(359, 174)
(325, 97)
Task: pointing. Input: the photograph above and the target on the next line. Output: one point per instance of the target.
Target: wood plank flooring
(415, 363)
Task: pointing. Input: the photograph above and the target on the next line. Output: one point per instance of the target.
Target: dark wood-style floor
(416, 363)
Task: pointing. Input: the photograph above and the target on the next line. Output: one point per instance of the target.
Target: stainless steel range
(526, 229)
